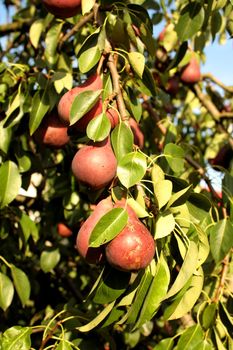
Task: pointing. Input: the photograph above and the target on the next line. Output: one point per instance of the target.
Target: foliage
(49, 296)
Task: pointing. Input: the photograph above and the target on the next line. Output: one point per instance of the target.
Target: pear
(92, 83)
(63, 8)
(134, 247)
(95, 164)
(63, 230)
(191, 73)
(51, 132)
(137, 133)
(92, 255)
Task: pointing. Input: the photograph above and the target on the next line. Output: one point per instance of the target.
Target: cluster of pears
(131, 250)
(95, 164)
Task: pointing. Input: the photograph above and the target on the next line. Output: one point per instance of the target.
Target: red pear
(113, 116)
(134, 247)
(137, 133)
(92, 255)
(95, 164)
(63, 8)
(93, 83)
(191, 73)
(63, 230)
(51, 132)
(173, 85)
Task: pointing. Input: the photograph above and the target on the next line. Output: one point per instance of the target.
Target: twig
(8, 28)
(86, 18)
(117, 88)
(207, 103)
(221, 285)
(209, 76)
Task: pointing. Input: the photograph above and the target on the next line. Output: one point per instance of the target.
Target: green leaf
(82, 104)
(98, 128)
(133, 104)
(98, 319)
(165, 344)
(87, 5)
(16, 338)
(51, 42)
(49, 259)
(157, 175)
(181, 216)
(10, 182)
(122, 140)
(40, 106)
(131, 168)
(191, 338)
(208, 317)
(90, 52)
(164, 224)
(186, 270)
(226, 319)
(108, 227)
(147, 83)
(35, 32)
(6, 291)
(190, 21)
(137, 61)
(187, 298)
(62, 80)
(220, 239)
(22, 284)
(156, 293)
(64, 345)
(179, 197)
(216, 23)
(5, 138)
(28, 227)
(138, 208)
(179, 55)
(175, 157)
(140, 296)
(112, 285)
(163, 192)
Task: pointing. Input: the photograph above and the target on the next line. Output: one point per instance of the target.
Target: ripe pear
(95, 164)
(113, 116)
(51, 132)
(63, 8)
(137, 133)
(191, 73)
(63, 230)
(172, 86)
(92, 255)
(94, 82)
(134, 247)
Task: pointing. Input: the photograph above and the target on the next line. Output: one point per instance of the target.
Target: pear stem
(117, 88)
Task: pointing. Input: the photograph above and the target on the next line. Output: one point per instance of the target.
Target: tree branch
(117, 88)
(209, 76)
(86, 18)
(208, 104)
(8, 28)
(223, 276)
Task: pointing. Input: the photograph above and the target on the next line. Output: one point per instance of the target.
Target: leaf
(137, 61)
(221, 239)
(133, 104)
(98, 128)
(190, 21)
(10, 182)
(179, 55)
(147, 83)
(16, 338)
(131, 168)
(191, 338)
(28, 227)
(35, 32)
(165, 344)
(6, 291)
(98, 319)
(64, 345)
(140, 296)
(226, 319)
(82, 104)
(87, 5)
(51, 42)
(112, 285)
(40, 106)
(62, 80)
(182, 217)
(122, 140)
(186, 270)
(175, 157)
(5, 138)
(157, 174)
(164, 224)
(184, 302)
(163, 192)
(90, 52)
(138, 208)
(108, 227)
(22, 284)
(49, 259)
(156, 293)
(179, 197)
(208, 317)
